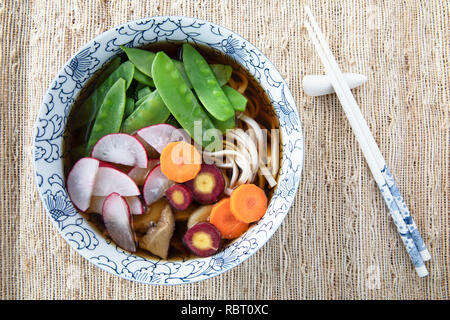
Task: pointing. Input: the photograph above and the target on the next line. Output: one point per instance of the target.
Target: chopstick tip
(422, 271)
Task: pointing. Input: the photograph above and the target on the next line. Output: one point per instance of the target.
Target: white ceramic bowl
(48, 142)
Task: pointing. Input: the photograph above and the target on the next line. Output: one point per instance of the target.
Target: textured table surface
(337, 242)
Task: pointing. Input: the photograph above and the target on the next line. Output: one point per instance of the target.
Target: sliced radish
(111, 180)
(81, 181)
(155, 185)
(139, 174)
(117, 220)
(120, 148)
(135, 204)
(151, 152)
(159, 135)
(107, 164)
(120, 167)
(96, 204)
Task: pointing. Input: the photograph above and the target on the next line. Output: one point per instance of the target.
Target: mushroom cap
(157, 238)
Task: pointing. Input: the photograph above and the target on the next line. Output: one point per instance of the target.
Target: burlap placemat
(337, 241)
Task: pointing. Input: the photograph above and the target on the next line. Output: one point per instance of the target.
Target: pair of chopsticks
(398, 210)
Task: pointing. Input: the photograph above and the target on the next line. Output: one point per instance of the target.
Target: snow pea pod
(138, 103)
(222, 73)
(110, 114)
(151, 111)
(237, 100)
(142, 78)
(138, 87)
(125, 71)
(143, 92)
(142, 59)
(223, 126)
(87, 111)
(129, 107)
(112, 65)
(180, 67)
(206, 85)
(181, 101)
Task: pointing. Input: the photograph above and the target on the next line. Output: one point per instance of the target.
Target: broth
(261, 111)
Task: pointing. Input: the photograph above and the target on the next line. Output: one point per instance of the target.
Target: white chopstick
(381, 163)
(398, 210)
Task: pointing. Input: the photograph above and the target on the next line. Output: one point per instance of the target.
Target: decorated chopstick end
(422, 271)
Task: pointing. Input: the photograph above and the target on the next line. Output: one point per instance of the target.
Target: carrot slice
(222, 218)
(180, 161)
(248, 203)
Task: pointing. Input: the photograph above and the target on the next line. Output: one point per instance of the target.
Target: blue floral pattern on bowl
(48, 142)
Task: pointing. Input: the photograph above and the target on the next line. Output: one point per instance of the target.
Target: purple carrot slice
(208, 185)
(203, 239)
(179, 196)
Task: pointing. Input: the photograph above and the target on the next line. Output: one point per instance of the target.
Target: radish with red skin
(117, 220)
(140, 174)
(135, 204)
(160, 135)
(208, 185)
(155, 186)
(107, 164)
(109, 180)
(121, 148)
(81, 181)
(203, 239)
(179, 196)
(151, 152)
(120, 167)
(96, 205)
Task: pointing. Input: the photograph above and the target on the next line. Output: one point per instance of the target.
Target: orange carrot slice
(222, 218)
(180, 161)
(248, 203)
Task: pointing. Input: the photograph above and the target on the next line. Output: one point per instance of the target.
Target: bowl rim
(295, 181)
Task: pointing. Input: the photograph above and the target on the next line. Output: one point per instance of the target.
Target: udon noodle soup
(137, 163)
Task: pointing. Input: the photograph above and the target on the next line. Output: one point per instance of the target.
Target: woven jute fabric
(337, 241)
